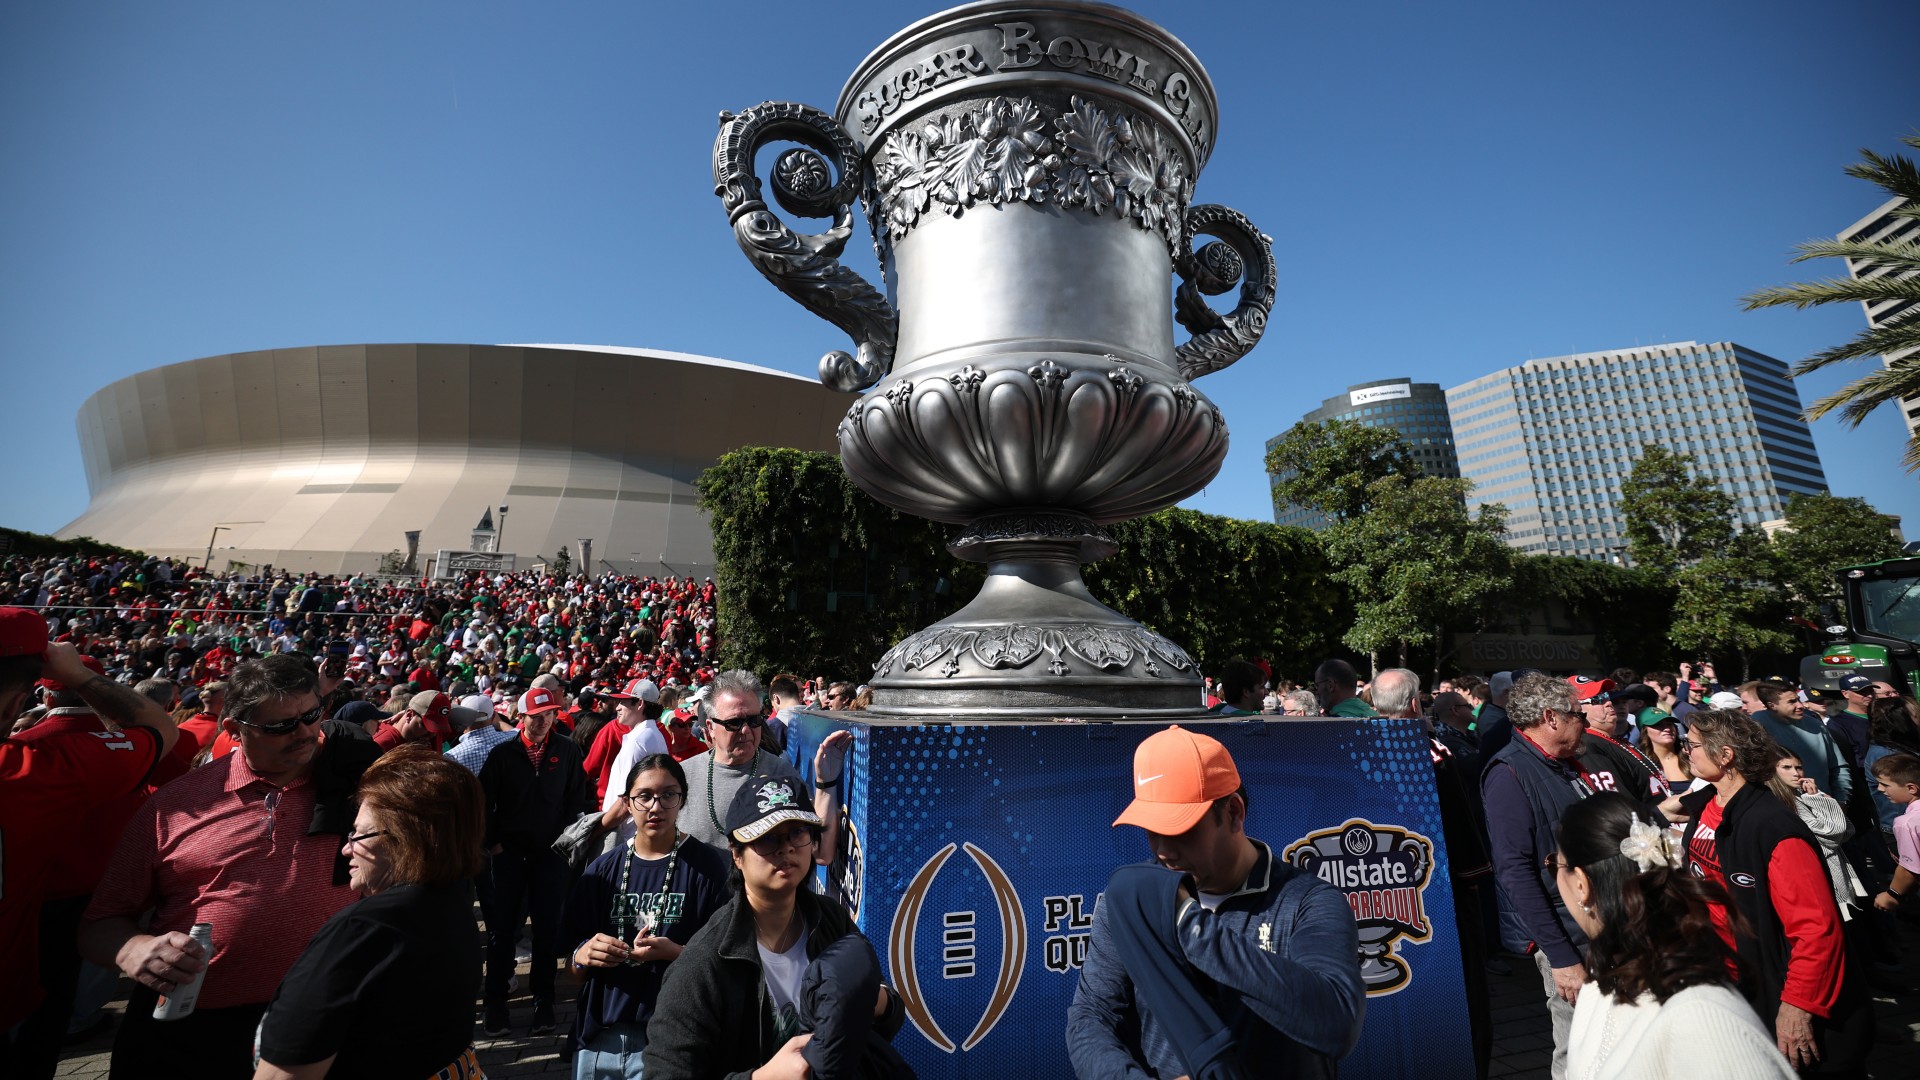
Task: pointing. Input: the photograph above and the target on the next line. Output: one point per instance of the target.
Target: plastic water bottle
(179, 1004)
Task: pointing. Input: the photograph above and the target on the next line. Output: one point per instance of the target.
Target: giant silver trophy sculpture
(1027, 170)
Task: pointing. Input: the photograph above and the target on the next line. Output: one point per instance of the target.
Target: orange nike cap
(1177, 774)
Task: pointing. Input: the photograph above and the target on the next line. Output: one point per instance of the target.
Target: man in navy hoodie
(1217, 960)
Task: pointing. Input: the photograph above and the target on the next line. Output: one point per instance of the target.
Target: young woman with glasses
(630, 913)
(733, 1004)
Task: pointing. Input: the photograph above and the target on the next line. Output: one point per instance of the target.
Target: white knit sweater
(1700, 1031)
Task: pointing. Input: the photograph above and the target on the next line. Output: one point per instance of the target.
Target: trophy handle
(820, 181)
(1241, 251)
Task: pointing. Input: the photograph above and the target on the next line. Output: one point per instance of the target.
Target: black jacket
(336, 785)
(714, 1018)
(526, 809)
(1752, 824)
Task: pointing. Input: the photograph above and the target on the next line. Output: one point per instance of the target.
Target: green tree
(562, 561)
(21, 542)
(1330, 466)
(1823, 534)
(1674, 517)
(1419, 563)
(1898, 339)
(1724, 601)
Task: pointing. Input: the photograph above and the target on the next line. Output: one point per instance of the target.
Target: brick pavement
(1522, 1046)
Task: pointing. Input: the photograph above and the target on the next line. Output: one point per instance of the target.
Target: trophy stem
(1035, 642)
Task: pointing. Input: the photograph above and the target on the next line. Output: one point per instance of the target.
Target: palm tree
(1884, 270)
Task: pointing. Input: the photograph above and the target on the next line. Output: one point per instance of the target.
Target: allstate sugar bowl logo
(1384, 871)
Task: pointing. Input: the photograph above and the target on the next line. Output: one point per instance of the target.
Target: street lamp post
(500, 537)
(225, 526)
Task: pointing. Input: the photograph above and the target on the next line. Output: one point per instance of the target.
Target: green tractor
(1882, 637)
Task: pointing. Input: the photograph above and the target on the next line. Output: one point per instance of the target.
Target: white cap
(1727, 699)
(479, 703)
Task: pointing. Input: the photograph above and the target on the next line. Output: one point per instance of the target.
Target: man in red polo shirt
(46, 784)
(242, 843)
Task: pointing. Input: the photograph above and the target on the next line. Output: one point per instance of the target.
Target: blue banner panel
(974, 854)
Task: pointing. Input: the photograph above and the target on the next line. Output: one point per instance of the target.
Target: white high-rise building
(1555, 439)
(1882, 226)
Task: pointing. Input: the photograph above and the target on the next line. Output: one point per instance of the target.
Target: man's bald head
(1396, 692)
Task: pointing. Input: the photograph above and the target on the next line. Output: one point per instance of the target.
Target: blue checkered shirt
(474, 746)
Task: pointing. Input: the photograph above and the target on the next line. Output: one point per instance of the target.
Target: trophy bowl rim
(923, 30)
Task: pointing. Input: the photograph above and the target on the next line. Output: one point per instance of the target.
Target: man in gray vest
(1528, 784)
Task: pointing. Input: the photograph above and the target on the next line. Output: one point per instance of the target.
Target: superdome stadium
(325, 458)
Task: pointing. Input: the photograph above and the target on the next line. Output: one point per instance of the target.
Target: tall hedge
(815, 576)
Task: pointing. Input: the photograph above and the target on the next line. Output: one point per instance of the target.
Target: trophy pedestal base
(973, 851)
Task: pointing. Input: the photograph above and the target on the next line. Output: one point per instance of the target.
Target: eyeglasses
(358, 837)
(1693, 745)
(667, 799)
(793, 839)
(1554, 863)
(288, 727)
(740, 722)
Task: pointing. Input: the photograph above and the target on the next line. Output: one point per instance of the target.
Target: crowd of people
(273, 803)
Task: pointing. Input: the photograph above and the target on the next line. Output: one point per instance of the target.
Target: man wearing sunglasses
(250, 843)
(1596, 701)
(736, 720)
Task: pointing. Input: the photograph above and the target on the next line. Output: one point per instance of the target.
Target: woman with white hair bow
(1663, 1003)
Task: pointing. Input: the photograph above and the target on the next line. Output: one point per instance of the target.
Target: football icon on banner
(958, 952)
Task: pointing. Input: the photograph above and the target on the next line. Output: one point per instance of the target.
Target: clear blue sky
(1451, 188)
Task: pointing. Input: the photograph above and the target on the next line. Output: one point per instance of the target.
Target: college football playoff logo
(1384, 871)
(901, 942)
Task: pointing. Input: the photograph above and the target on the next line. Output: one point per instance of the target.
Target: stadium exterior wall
(323, 458)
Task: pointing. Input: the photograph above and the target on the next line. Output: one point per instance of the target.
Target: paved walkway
(1523, 1043)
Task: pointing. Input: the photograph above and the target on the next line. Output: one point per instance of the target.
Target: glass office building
(1418, 411)
(1555, 439)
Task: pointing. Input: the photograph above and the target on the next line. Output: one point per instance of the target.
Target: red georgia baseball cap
(1585, 686)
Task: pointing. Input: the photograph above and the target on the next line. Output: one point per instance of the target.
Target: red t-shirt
(82, 857)
(45, 784)
(599, 762)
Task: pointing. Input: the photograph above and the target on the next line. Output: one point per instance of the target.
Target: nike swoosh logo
(1143, 781)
